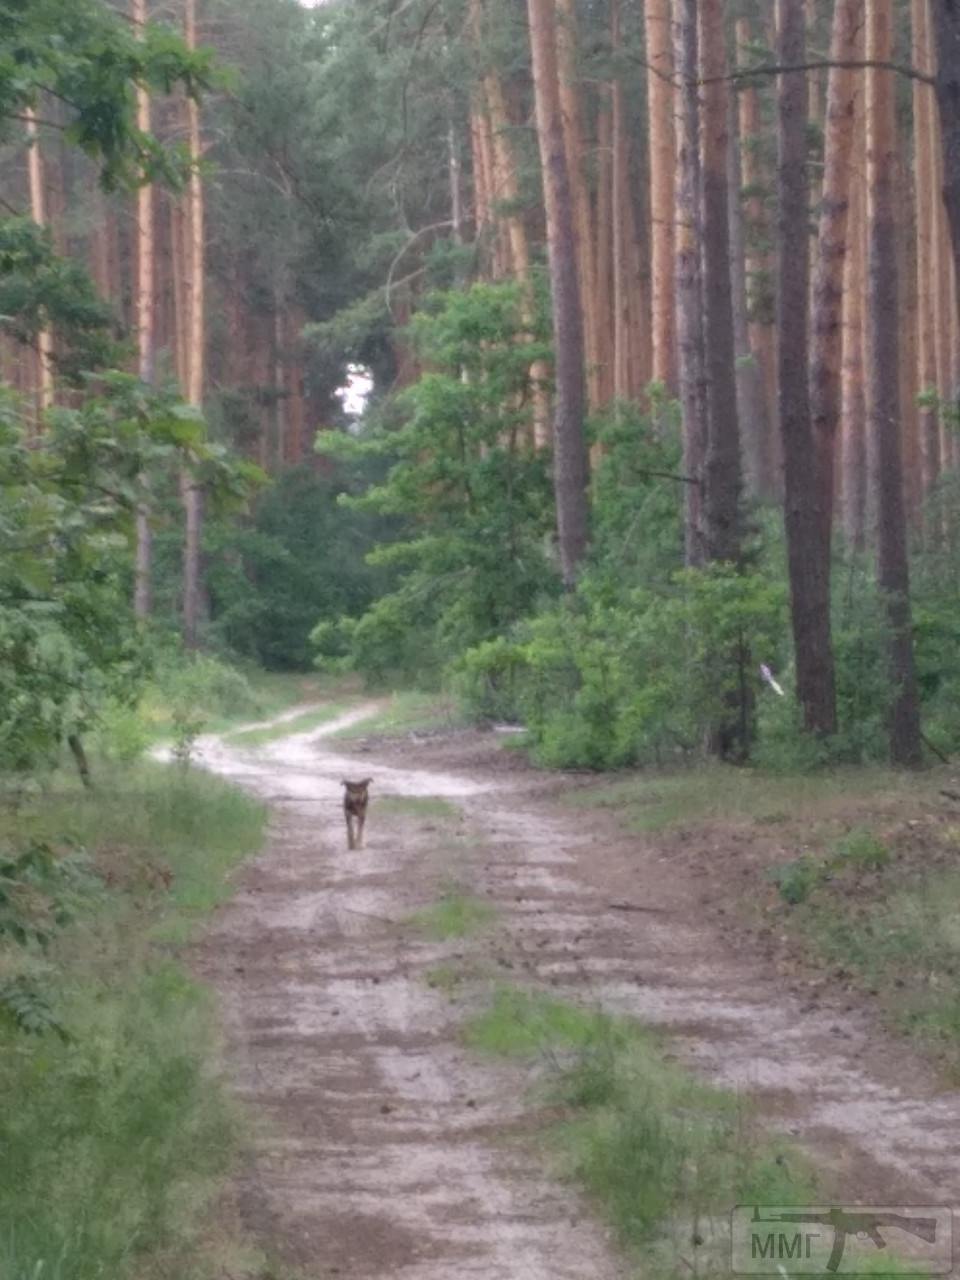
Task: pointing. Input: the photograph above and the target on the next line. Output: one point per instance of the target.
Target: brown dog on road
(355, 799)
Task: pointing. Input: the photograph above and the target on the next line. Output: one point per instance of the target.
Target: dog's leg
(361, 819)
(350, 836)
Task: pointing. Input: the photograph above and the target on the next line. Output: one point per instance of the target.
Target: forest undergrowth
(122, 1129)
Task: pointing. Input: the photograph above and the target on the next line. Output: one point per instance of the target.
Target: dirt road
(383, 1147)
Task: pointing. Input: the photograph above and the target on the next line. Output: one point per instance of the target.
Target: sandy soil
(383, 1148)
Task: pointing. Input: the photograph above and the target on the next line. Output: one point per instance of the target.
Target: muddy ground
(383, 1148)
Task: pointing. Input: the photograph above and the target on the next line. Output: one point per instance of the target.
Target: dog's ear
(344, 782)
(366, 782)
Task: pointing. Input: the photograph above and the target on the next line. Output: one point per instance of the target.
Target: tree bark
(843, 87)
(946, 37)
(906, 224)
(621, 239)
(146, 343)
(883, 376)
(484, 182)
(514, 250)
(924, 134)
(195, 348)
(570, 468)
(38, 211)
(729, 736)
(759, 273)
(78, 751)
(604, 245)
(942, 309)
(806, 517)
(722, 463)
(481, 199)
(636, 225)
(689, 283)
(854, 409)
(662, 146)
(573, 133)
(751, 393)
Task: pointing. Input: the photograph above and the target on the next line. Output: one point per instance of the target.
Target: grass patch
(664, 1156)
(418, 807)
(121, 1132)
(903, 942)
(518, 1024)
(150, 827)
(861, 848)
(456, 915)
(408, 712)
(303, 723)
(718, 793)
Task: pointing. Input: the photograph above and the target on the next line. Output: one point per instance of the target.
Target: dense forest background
(657, 304)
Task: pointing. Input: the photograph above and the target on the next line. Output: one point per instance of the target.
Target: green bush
(208, 686)
(123, 734)
(602, 685)
(796, 880)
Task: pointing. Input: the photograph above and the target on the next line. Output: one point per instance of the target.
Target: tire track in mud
(385, 1150)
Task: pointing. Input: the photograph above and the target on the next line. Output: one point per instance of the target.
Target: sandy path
(381, 1147)
(383, 1151)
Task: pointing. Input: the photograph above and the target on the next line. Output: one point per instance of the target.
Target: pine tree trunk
(620, 222)
(517, 257)
(143, 562)
(854, 408)
(883, 375)
(751, 394)
(927, 199)
(806, 516)
(483, 181)
(180, 270)
(481, 199)
(639, 345)
(514, 253)
(573, 133)
(295, 320)
(38, 211)
(454, 178)
(604, 246)
(946, 37)
(907, 275)
(722, 464)
(729, 737)
(759, 272)
(689, 284)
(196, 334)
(660, 109)
(843, 87)
(570, 471)
(279, 382)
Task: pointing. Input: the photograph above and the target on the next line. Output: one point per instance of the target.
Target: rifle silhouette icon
(858, 1224)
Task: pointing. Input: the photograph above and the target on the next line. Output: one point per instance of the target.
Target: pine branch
(780, 69)
(852, 64)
